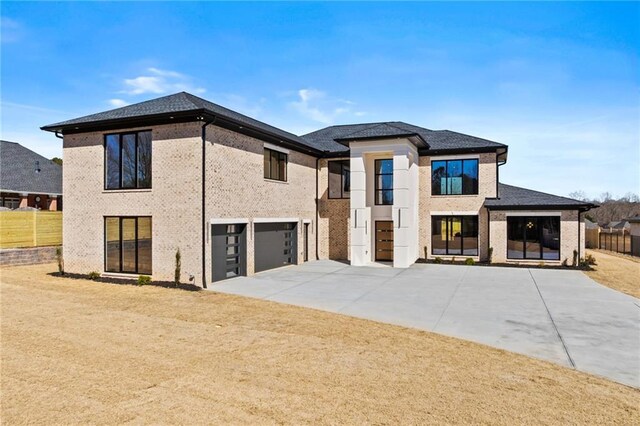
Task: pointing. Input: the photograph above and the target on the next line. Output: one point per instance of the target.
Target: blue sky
(558, 82)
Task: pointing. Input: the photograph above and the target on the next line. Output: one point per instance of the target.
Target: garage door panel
(229, 251)
(275, 245)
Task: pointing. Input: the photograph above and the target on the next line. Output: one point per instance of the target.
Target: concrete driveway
(556, 315)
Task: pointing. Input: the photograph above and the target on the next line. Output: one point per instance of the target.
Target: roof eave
(444, 151)
(585, 207)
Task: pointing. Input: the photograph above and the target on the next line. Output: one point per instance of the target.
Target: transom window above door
(384, 182)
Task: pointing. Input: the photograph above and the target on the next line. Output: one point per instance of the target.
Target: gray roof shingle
(515, 197)
(18, 171)
(323, 140)
(182, 102)
(437, 140)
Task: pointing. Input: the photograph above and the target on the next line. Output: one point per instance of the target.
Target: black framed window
(454, 235)
(533, 237)
(128, 160)
(339, 179)
(454, 177)
(384, 182)
(128, 244)
(275, 165)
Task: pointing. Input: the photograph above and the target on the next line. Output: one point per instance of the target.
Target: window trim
(462, 160)
(342, 164)
(120, 135)
(375, 181)
(537, 218)
(461, 217)
(104, 237)
(286, 164)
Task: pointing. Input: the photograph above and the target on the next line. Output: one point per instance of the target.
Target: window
(339, 179)
(275, 165)
(454, 177)
(384, 182)
(533, 237)
(454, 235)
(127, 244)
(11, 202)
(128, 160)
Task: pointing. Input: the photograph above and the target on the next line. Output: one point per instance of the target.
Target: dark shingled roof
(325, 140)
(516, 197)
(437, 140)
(18, 171)
(182, 102)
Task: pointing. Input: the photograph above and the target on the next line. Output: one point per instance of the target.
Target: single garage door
(275, 245)
(229, 251)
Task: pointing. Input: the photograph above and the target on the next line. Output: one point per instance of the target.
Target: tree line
(611, 208)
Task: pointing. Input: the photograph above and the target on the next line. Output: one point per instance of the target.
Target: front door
(384, 240)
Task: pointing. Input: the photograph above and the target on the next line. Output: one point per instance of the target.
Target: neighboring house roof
(184, 106)
(513, 197)
(18, 171)
(590, 225)
(634, 219)
(436, 140)
(618, 224)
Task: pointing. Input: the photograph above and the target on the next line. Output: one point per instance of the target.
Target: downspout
(578, 260)
(317, 203)
(488, 233)
(58, 136)
(204, 220)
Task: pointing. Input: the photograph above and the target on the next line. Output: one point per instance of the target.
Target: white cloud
(11, 30)
(118, 103)
(159, 82)
(317, 106)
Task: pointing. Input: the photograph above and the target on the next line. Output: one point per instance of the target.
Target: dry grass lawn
(78, 352)
(616, 271)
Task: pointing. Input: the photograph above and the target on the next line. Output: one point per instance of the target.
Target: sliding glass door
(533, 237)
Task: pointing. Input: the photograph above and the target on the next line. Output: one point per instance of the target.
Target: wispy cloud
(117, 102)
(158, 81)
(315, 105)
(11, 30)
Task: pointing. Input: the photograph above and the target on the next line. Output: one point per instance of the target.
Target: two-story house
(237, 196)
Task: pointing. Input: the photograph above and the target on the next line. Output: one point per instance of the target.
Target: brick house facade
(237, 196)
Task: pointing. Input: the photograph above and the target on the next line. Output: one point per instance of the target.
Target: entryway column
(360, 213)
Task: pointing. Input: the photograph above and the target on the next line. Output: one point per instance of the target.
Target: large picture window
(454, 235)
(530, 237)
(339, 179)
(128, 160)
(127, 244)
(384, 182)
(454, 177)
(275, 165)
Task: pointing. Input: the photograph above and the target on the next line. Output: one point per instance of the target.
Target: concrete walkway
(556, 315)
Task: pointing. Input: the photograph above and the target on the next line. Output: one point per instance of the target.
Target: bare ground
(76, 351)
(616, 271)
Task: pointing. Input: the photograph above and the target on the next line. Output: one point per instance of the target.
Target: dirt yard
(78, 352)
(616, 271)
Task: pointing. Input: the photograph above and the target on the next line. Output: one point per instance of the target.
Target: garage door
(229, 251)
(275, 245)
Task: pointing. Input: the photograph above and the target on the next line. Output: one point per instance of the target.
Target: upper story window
(128, 160)
(384, 182)
(454, 177)
(275, 165)
(339, 179)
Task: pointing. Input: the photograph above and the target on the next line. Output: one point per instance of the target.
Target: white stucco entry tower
(404, 210)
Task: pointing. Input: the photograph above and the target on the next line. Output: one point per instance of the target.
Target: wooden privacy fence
(34, 228)
(618, 241)
(592, 238)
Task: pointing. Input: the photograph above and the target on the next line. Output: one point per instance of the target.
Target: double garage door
(275, 245)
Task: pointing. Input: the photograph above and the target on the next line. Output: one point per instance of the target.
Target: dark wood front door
(384, 240)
